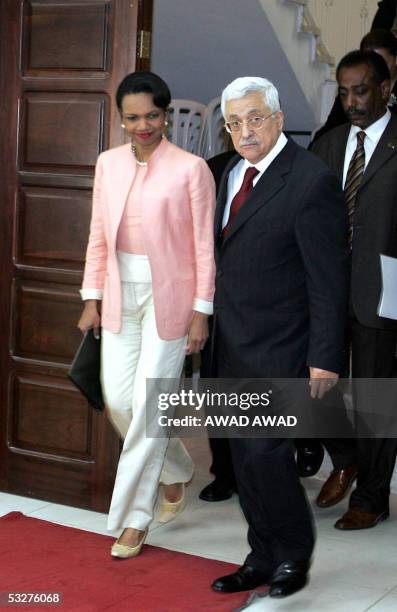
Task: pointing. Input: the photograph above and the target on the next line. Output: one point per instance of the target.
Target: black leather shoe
(289, 577)
(245, 579)
(217, 491)
(309, 457)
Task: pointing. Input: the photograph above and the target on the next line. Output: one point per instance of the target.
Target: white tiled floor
(352, 571)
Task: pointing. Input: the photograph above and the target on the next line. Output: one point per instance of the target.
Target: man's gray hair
(245, 85)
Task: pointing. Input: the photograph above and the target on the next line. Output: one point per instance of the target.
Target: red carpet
(39, 556)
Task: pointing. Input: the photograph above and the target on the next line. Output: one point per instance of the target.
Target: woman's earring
(165, 129)
(123, 126)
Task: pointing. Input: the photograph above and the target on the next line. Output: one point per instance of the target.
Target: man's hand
(321, 381)
(198, 333)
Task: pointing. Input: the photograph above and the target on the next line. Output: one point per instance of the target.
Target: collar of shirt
(373, 131)
(373, 135)
(236, 175)
(264, 163)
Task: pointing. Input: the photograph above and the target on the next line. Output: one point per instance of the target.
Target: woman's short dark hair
(379, 39)
(144, 82)
(380, 71)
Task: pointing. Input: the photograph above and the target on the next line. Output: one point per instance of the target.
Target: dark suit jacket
(282, 272)
(375, 217)
(218, 164)
(385, 15)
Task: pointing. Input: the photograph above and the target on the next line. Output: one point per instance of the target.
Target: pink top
(130, 235)
(177, 225)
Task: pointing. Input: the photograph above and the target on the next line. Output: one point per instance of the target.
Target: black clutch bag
(85, 370)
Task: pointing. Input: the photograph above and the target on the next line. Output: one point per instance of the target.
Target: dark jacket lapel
(386, 148)
(340, 152)
(331, 148)
(222, 195)
(271, 181)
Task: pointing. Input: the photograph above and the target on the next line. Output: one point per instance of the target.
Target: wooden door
(60, 65)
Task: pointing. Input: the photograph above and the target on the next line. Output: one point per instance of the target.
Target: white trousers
(128, 358)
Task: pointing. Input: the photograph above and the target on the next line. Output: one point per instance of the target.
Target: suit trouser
(373, 356)
(128, 358)
(222, 463)
(280, 525)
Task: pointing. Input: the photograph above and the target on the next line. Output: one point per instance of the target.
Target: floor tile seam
(21, 510)
(380, 599)
(36, 509)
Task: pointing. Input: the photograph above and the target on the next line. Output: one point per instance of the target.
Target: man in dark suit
(363, 154)
(310, 453)
(279, 311)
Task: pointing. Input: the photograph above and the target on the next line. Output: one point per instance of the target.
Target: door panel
(62, 132)
(61, 218)
(57, 36)
(60, 64)
(40, 314)
(67, 433)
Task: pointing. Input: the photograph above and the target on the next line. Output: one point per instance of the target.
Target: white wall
(343, 23)
(200, 46)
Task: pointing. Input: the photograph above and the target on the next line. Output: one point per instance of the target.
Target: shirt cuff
(203, 306)
(91, 294)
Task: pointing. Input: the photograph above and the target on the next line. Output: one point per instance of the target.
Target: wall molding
(342, 23)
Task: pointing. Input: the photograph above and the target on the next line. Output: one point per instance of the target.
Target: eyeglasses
(254, 123)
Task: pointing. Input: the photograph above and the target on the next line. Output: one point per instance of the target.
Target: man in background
(383, 42)
(363, 154)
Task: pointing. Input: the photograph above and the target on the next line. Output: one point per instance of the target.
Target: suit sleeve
(335, 118)
(321, 230)
(202, 202)
(96, 256)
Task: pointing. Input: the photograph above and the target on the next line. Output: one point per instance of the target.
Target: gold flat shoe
(170, 510)
(123, 551)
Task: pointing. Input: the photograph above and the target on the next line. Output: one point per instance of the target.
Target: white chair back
(184, 124)
(212, 139)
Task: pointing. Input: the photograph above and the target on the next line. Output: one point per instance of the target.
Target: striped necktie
(353, 179)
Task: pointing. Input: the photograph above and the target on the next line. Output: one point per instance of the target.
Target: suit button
(219, 273)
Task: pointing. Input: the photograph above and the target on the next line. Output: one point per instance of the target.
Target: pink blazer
(177, 224)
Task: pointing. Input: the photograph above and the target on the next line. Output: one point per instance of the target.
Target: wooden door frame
(9, 15)
(10, 83)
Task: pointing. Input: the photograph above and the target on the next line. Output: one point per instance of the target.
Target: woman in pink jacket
(150, 264)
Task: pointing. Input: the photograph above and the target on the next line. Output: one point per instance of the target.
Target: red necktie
(240, 198)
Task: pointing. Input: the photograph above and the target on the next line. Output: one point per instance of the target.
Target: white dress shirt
(373, 135)
(236, 175)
